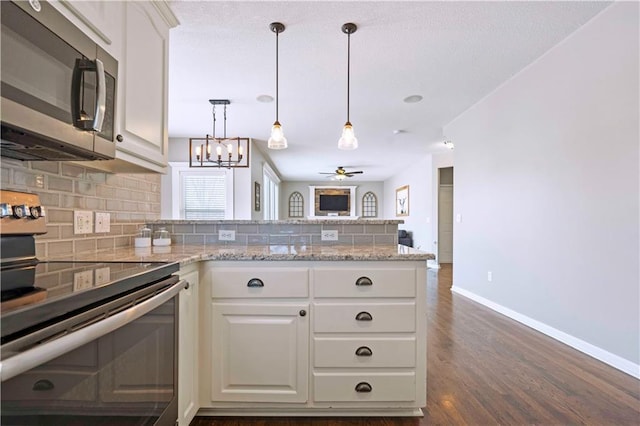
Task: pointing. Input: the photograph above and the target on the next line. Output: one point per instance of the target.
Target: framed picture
(256, 196)
(402, 201)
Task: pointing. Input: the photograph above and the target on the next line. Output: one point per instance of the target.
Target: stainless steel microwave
(58, 93)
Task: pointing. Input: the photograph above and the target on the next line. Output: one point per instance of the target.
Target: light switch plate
(226, 235)
(329, 235)
(103, 222)
(82, 222)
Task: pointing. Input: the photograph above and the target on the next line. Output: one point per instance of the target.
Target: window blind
(204, 196)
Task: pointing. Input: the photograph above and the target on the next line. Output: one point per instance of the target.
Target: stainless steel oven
(83, 343)
(58, 87)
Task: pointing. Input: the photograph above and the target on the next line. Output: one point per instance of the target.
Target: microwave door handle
(82, 66)
(48, 351)
(101, 103)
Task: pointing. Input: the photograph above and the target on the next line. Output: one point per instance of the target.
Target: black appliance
(58, 94)
(90, 343)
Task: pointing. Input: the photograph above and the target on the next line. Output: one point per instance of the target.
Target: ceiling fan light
(348, 140)
(277, 139)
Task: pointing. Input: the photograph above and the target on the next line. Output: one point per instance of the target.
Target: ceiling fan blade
(326, 173)
(356, 173)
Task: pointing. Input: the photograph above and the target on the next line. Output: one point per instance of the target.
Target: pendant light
(348, 140)
(277, 139)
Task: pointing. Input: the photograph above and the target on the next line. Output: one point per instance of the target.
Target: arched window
(296, 205)
(369, 205)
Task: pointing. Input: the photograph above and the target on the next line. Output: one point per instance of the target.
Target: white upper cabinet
(100, 20)
(143, 86)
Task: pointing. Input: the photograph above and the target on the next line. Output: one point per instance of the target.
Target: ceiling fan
(340, 173)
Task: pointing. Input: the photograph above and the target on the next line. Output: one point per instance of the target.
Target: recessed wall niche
(332, 202)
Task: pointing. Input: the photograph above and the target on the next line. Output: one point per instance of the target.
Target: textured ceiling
(451, 53)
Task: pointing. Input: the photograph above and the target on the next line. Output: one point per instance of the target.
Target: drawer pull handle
(364, 316)
(303, 313)
(362, 281)
(255, 282)
(43, 385)
(363, 387)
(364, 351)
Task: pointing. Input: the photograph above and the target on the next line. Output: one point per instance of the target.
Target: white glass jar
(161, 237)
(143, 238)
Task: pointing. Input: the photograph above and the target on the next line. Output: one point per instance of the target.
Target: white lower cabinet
(188, 348)
(313, 338)
(260, 352)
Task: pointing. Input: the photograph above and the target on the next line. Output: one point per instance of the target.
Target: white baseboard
(600, 354)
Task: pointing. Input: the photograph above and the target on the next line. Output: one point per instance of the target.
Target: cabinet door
(260, 352)
(143, 88)
(188, 350)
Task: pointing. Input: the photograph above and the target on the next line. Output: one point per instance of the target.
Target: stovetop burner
(60, 287)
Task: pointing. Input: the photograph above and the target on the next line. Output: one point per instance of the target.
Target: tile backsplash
(131, 199)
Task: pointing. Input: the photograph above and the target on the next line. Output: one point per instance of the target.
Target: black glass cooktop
(39, 292)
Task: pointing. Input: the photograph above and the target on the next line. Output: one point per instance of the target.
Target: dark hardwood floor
(486, 369)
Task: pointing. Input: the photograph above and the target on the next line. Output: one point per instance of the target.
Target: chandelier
(212, 151)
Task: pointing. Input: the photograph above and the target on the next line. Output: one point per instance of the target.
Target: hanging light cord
(348, 71)
(277, 35)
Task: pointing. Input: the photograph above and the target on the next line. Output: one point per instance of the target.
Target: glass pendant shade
(277, 139)
(348, 140)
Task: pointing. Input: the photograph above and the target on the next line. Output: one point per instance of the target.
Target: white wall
(258, 160)
(287, 188)
(419, 177)
(547, 185)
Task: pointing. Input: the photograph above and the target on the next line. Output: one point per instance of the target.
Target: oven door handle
(46, 352)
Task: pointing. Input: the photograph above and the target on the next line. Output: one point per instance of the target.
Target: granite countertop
(329, 221)
(185, 254)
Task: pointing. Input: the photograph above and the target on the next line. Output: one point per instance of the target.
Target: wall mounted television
(334, 203)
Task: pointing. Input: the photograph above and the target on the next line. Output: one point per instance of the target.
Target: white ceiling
(451, 53)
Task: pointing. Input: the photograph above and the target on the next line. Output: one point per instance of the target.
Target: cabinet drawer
(260, 283)
(365, 352)
(382, 282)
(385, 317)
(337, 387)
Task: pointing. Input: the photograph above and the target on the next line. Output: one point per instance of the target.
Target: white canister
(161, 237)
(143, 238)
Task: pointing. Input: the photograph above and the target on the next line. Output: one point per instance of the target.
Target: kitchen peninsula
(312, 317)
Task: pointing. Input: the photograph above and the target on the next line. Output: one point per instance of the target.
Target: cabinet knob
(119, 138)
(43, 385)
(303, 313)
(364, 351)
(364, 316)
(362, 281)
(255, 282)
(363, 387)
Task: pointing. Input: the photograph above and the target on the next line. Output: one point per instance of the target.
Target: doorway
(445, 215)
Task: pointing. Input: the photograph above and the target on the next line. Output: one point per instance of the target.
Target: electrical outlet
(329, 235)
(82, 280)
(103, 275)
(103, 222)
(82, 222)
(226, 235)
(489, 276)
